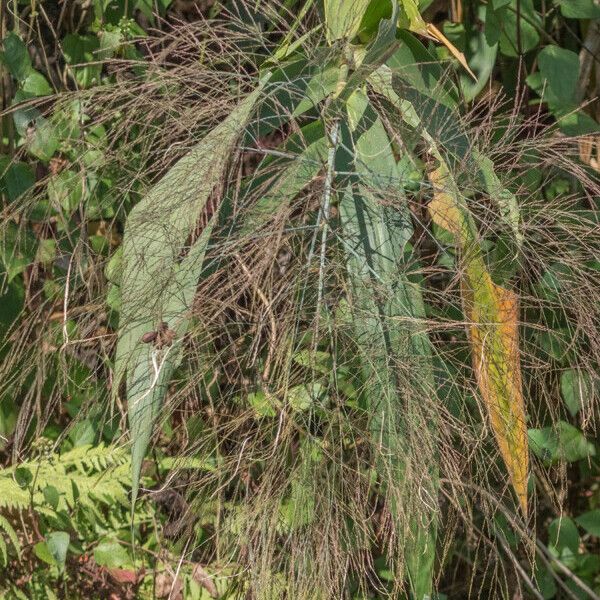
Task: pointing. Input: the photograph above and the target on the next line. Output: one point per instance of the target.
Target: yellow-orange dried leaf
(492, 313)
(434, 32)
(443, 207)
(494, 337)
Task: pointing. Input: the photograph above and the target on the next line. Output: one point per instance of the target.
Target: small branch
(157, 369)
(65, 329)
(566, 571)
(532, 587)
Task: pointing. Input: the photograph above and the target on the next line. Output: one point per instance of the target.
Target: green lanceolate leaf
(481, 53)
(433, 115)
(504, 199)
(157, 284)
(343, 18)
(319, 86)
(295, 87)
(149, 369)
(388, 312)
(305, 158)
(412, 69)
(370, 58)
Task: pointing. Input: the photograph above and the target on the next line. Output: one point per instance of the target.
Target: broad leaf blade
(343, 18)
(157, 284)
(375, 54)
(388, 312)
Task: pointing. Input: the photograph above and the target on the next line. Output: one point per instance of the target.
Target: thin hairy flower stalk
(321, 422)
(541, 550)
(566, 571)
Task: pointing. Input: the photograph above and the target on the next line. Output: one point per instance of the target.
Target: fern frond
(12, 536)
(82, 475)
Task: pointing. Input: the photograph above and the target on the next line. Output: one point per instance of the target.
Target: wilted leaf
(205, 580)
(492, 315)
(123, 575)
(434, 32)
(168, 587)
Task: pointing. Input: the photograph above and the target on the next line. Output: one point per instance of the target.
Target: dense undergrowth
(299, 300)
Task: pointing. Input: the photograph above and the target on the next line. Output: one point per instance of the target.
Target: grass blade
(157, 284)
(492, 314)
(388, 309)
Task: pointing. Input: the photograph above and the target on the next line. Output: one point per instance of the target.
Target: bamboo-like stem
(324, 218)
